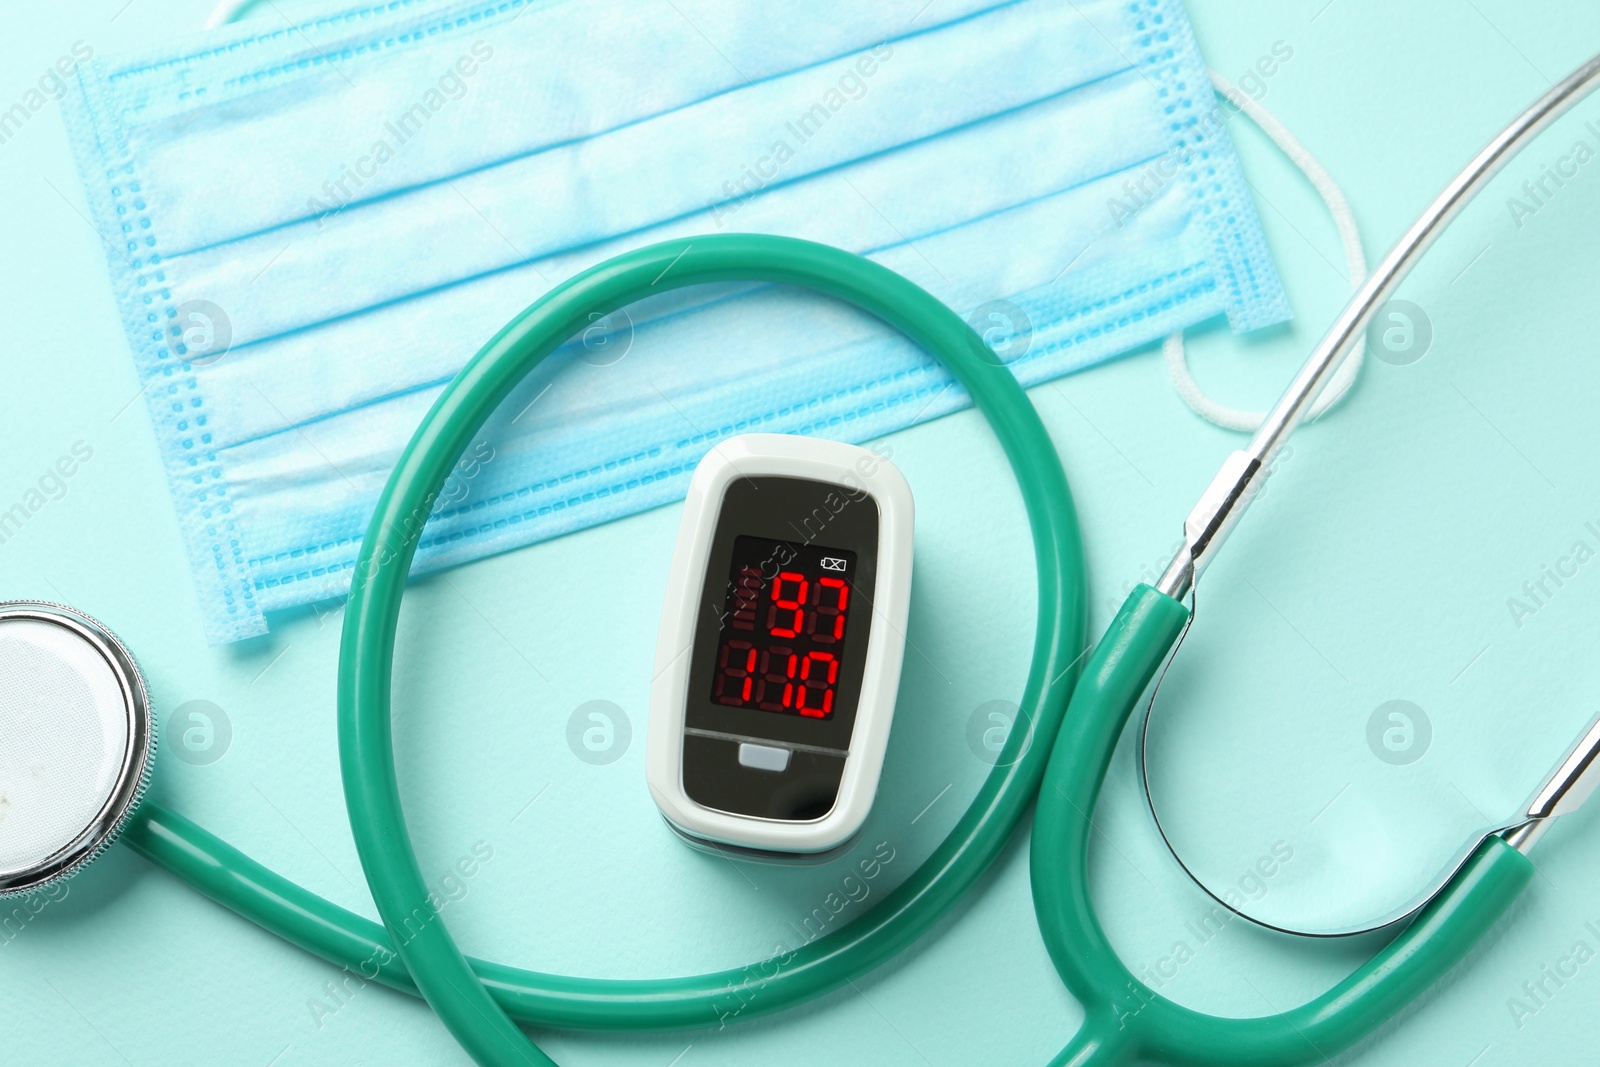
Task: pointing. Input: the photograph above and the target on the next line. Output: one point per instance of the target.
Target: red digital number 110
(784, 680)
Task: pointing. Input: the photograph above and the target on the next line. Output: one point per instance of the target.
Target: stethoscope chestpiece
(76, 742)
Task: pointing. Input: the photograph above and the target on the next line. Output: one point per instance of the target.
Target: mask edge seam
(227, 618)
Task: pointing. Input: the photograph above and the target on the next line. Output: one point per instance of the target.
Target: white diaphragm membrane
(76, 739)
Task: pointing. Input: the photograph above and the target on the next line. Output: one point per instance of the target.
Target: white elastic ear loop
(226, 11)
(1355, 262)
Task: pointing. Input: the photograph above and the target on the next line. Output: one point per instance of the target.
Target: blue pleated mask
(311, 229)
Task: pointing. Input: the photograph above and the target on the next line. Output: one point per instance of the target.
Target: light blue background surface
(133, 967)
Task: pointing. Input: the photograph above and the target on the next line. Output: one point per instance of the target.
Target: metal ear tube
(1220, 507)
(1564, 792)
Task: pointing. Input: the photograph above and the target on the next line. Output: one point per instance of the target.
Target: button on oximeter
(763, 757)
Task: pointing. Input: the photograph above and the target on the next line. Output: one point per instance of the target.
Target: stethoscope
(1061, 759)
(1125, 1020)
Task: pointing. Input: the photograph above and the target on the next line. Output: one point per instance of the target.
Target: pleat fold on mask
(336, 219)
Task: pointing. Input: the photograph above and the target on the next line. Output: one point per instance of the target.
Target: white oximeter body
(781, 642)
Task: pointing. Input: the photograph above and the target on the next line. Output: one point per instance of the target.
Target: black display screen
(782, 639)
(782, 630)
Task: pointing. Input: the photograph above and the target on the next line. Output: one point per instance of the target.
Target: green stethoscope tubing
(1125, 1021)
(1065, 763)
(474, 1010)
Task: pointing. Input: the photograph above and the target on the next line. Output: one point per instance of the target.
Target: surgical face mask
(311, 229)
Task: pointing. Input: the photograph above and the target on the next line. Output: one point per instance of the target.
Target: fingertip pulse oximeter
(781, 641)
